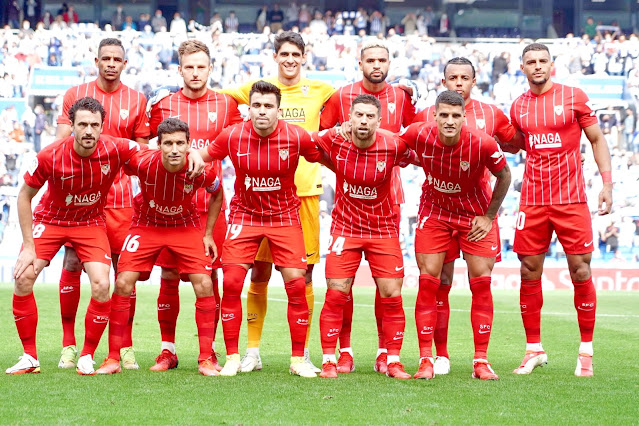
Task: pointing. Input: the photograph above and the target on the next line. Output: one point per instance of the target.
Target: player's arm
(62, 131)
(63, 123)
(481, 225)
(215, 207)
(323, 144)
(196, 163)
(602, 158)
(240, 94)
(515, 144)
(28, 254)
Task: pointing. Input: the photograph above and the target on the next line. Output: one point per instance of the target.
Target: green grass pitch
(551, 395)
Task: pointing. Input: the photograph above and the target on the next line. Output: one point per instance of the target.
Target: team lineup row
(458, 151)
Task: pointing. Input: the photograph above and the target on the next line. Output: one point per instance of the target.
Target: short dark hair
(459, 61)
(263, 87)
(368, 100)
(172, 125)
(110, 42)
(289, 37)
(86, 104)
(449, 97)
(535, 47)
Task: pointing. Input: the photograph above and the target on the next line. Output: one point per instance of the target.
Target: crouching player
(79, 170)
(265, 153)
(456, 197)
(363, 222)
(165, 218)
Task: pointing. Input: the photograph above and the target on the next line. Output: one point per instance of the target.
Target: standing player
(363, 222)
(459, 76)
(302, 101)
(553, 198)
(166, 219)
(125, 118)
(206, 113)
(397, 111)
(454, 198)
(79, 170)
(265, 153)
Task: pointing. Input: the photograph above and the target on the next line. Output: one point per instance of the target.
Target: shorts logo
(481, 123)
(106, 168)
(587, 244)
(188, 187)
(559, 109)
(33, 166)
(212, 117)
(397, 268)
(464, 165)
(493, 248)
(124, 114)
(208, 268)
(381, 165)
(391, 107)
(283, 154)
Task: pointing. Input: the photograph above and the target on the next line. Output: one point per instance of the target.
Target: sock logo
(399, 335)
(17, 318)
(66, 289)
(301, 321)
(164, 306)
(427, 330)
(332, 332)
(586, 307)
(251, 316)
(100, 319)
(484, 329)
(228, 317)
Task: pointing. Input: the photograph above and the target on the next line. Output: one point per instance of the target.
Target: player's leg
(440, 336)
(69, 300)
(219, 233)
(168, 308)
(119, 319)
(205, 321)
(430, 265)
(345, 361)
(532, 239)
(256, 306)
(578, 247)
(25, 315)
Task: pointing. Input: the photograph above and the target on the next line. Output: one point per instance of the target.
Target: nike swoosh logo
(163, 309)
(523, 115)
(398, 337)
(398, 268)
(309, 255)
(426, 332)
(65, 291)
(493, 247)
(339, 158)
(303, 259)
(208, 268)
(587, 244)
(107, 257)
(483, 331)
(149, 183)
(16, 319)
(66, 177)
(584, 309)
(242, 154)
(331, 334)
(99, 322)
(227, 319)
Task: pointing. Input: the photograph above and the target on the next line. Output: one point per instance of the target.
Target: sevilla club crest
(212, 117)
(305, 90)
(381, 165)
(481, 123)
(106, 168)
(188, 188)
(464, 165)
(124, 114)
(559, 109)
(283, 154)
(391, 107)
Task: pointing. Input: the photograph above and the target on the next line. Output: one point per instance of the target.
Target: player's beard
(376, 80)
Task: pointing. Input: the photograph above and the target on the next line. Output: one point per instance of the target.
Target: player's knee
(100, 288)
(170, 274)
(580, 271)
(24, 284)
(530, 268)
(71, 261)
(261, 272)
(202, 285)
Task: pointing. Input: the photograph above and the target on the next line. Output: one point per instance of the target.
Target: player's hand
(481, 226)
(26, 258)
(210, 249)
(410, 87)
(605, 199)
(196, 164)
(345, 130)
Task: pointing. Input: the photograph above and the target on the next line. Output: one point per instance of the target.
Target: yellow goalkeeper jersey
(301, 104)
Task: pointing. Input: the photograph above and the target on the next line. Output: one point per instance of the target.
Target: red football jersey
(78, 186)
(166, 198)
(265, 192)
(453, 190)
(206, 117)
(125, 118)
(552, 123)
(363, 207)
(397, 111)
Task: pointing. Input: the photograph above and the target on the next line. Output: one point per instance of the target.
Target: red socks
(347, 322)
(379, 319)
(205, 320)
(531, 299)
(481, 314)
(25, 315)
(297, 314)
(586, 305)
(394, 323)
(331, 319)
(69, 300)
(168, 308)
(231, 308)
(118, 323)
(443, 316)
(95, 322)
(127, 338)
(426, 313)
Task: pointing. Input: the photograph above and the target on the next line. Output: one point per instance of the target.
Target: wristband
(606, 177)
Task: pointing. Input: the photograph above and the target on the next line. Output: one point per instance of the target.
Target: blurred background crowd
(37, 40)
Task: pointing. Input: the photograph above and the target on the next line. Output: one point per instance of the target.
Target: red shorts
(435, 236)
(345, 253)
(166, 260)
(118, 222)
(571, 223)
(90, 243)
(184, 244)
(453, 249)
(286, 244)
